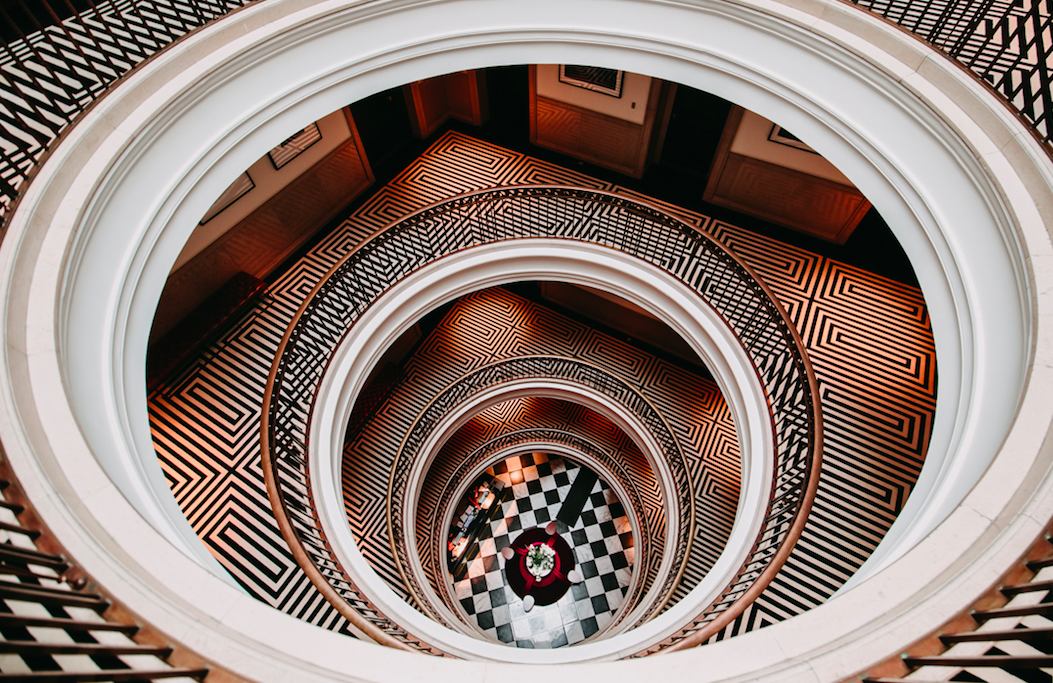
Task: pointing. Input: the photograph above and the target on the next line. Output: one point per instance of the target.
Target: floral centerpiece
(540, 559)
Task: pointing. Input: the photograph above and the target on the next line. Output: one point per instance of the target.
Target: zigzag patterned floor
(878, 388)
(494, 325)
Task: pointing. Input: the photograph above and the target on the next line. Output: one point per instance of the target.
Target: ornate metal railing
(54, 64)
(1005, 43)
(576, 215)
(591, 453)
(570, 371)
(293, 504)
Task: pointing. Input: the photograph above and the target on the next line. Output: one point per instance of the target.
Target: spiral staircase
(819, 398)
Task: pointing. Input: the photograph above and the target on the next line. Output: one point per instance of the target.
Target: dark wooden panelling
(696, 121)
(557, 126)
(597, 138)
(383, 124)
(269, 235)
(789, 198)
(428, 105)
(663, 116)
(609, 139)
(792, 199)
(460, 95)
(466, 96)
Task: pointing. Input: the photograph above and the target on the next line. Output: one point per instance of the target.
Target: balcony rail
(1004, 635)
(576, 215)
(574, 372)
(54, 608)
(1006, 44)
(537, 438)
(58, 56)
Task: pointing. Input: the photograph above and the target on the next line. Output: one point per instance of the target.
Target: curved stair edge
(933, 649)
(17, 562)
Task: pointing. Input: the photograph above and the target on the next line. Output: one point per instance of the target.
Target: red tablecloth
(546, 590)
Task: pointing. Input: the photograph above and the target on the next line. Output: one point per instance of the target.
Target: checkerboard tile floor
(603, 545)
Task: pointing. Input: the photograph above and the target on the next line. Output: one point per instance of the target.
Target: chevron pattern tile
(495, 325)
(878, 391)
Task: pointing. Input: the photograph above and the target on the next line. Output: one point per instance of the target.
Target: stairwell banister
(420, 440)
(639, 230)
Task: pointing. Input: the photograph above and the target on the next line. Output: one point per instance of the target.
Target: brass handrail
(573, 371)
(723, 281)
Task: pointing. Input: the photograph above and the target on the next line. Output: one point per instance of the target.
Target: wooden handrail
(632, 224)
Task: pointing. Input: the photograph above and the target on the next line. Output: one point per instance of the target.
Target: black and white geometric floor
(878, 393)
(602, 540)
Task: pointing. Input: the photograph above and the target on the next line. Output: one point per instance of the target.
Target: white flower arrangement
(540, 559)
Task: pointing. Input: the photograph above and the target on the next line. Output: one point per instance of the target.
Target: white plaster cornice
(965, 188)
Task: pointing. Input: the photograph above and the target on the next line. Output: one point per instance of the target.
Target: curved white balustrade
(541, 259)
(548, 389)
(966, 189)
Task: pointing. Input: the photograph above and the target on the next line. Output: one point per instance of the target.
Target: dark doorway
(694, 131)
(384, 126)
(509, 93)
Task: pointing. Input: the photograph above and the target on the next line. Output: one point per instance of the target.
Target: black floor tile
(504, 633)
(599, 604)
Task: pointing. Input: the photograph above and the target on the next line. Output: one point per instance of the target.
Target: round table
(547, 589)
